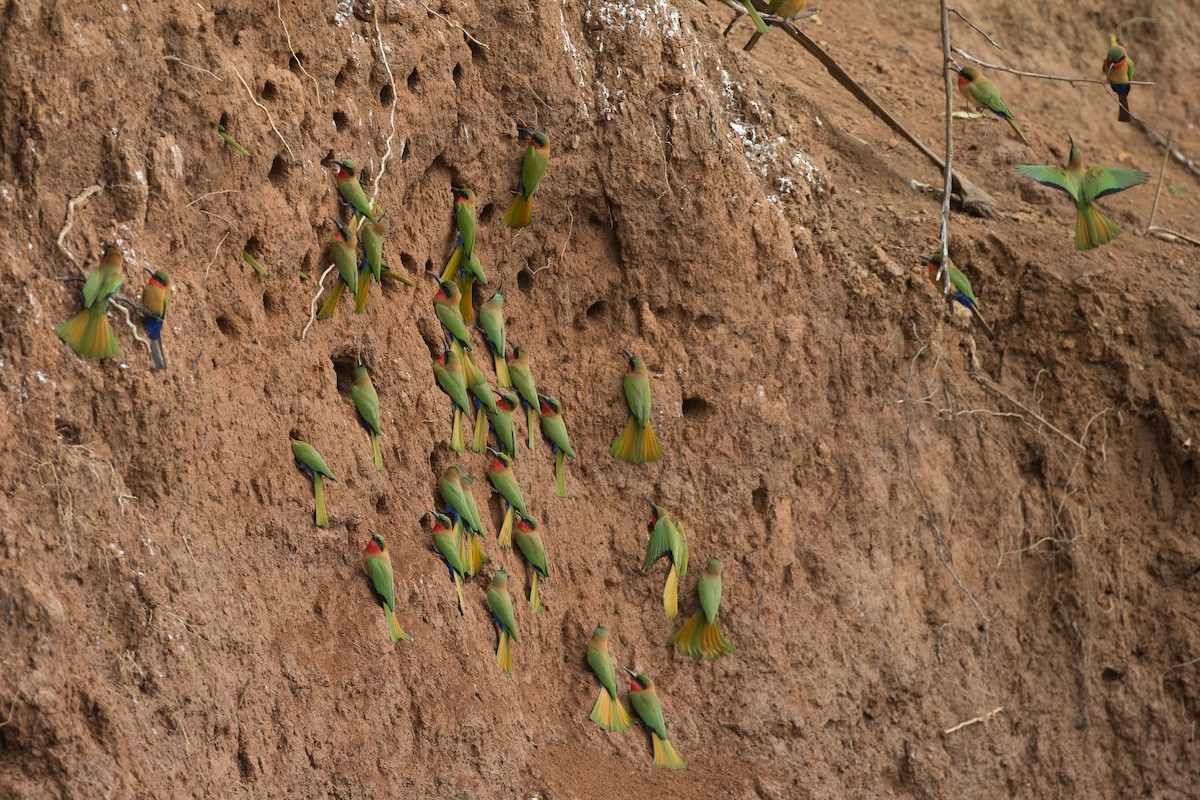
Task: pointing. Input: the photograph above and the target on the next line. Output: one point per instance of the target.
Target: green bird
(156, 297)
(464, 259)
(981, 93)
(351, 190)
(456, 491)
(448, 372)
(608, 712)
(372, 235)
(491, 320)
(554, 428)
(464, 220)
(344, 250)
(378, 564)
(446, 308)
(667, 538)
(366, 401)
(310, 463)
(700, 637)
(501, 423)
(88, 332)
(1118, 71)
(501, 607)
(500, 474)
(474, 559)
(960, 290)
(644, 699)
(1084, 185)
(485, 404)
(637, 443)
(529, 543)
(445, 544)
(522, 380)
(533, 167)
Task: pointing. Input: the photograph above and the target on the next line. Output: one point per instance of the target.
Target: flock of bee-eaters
(456, 525)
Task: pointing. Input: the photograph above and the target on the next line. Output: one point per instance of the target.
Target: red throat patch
(373, 549)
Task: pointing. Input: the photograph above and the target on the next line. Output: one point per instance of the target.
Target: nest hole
(341, 121)
(597, 310)
(278, 173)
(386, 95)
(695, 407)
(414, 79)
(270, 91)
(525, 280)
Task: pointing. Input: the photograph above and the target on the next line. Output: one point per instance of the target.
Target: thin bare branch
(392, 81)
(973, 721)
(1162, 173)
(978, 30)
(183, 63)
(948, 179)
(312, 306)
(1039, 75)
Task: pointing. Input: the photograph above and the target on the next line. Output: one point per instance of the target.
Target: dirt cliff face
(918, 526)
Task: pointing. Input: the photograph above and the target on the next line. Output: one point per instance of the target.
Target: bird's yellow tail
(535, 601)
(89, 334)
(466, 285)
(560, 473)
(520, 212)
(394, 630)
(322, 519)
(451, 270)
(462, 607)
(505, 537)
(364, 287)
(1017, 129)
(531, 420)
(331, 303)
(457, 443)
(711, 643)
(609, 714)
(664, 754)
(650, 451)
(685, 639)
(671, 594)
(1093, 229)
(474, 554)
(501, 371)
(479, 441)
(504, 654)
(628, 445)
(376, 450)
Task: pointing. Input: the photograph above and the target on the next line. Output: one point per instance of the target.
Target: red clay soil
(919, 527)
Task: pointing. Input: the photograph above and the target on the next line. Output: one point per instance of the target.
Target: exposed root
(70, 220)
(270, 119)
(287, 35)
(312, 307)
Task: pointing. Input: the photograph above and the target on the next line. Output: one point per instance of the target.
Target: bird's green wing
(367, 402)
(448, 547)
(1054, 177)
(1129, 67)
(602, 665)
(501, 605)
(1099, 181)
(637, 394)
(647, 707)
(960, 282)
(530, 545)
(986, 94)
(660, 541)
(679, 548)
(307, 455)
(380, 572)
(709, 588)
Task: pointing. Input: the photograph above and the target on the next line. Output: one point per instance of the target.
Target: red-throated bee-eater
(501, 607)
(1084, 185)
(645, 702)
(529, 542)
(156, 296)
(344, 251)
(445, 543)
(448, 372)
(533, 167)
(500, 474)
(478, 388)
(310, 463)
(700, 637)
(667, 539)
(491, 319)
(88, 332)
(608, 712)
(473, 557)
(1118, 71)
(960, 289)
(554, 428)
(981, 93)
(366, 402)
(502, 423)
(378, 564)
(637, 443)
(351, 190)
(446, 308)
(522, 380)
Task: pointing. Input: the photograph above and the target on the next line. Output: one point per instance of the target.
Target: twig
(989, 385)
(312, 307)
(1168, 235)
(391, 80)
(1162, 173)
(1042, 76)
(132, 327)
(973, 720)
(974, 200)
(299, 63)
(70, 220)
(1179, 157)
(214, 258)
(454, 24)
(948, 179)
(567, 241)
(12, 706)
(270, 119)
(183, 63)
(978, 30)
(210, 194)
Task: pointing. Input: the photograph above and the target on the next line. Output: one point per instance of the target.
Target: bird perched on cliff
(982, 94)
(372, 234)
(500, 474)
(501, 607)
(533, 167)
(456, 491)
(637, 443)
(960, 289)
(700, 637)
(88, 332)
(344, 252)
(366, 402)
(473, 557)
(310, 463)
(378, 564)
(644, 698)
(448, 372)
(491, 320)
(1118, 71)
(445, 544)
(478, 388)
(446, 309)
(608, 712)
(554, 428)
(667, 539)
(464, 259)
(522, 380)
(1084, 185)
(156, 296)
(529, 543)
(501, 422)
(351, 190)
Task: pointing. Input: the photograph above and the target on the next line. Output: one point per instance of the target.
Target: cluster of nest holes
(341, 121)
(696, 407)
